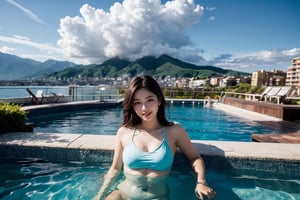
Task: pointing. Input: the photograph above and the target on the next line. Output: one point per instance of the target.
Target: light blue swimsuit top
(160, 159)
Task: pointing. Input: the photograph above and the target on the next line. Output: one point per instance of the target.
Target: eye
(136, 103)
(150, 100)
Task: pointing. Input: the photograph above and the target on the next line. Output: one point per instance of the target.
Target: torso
(136, 187)
(146, 183)
(138, 143)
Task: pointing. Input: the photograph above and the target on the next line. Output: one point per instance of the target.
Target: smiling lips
(146, 114)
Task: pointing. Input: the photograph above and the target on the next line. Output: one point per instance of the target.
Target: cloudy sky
(245, 35)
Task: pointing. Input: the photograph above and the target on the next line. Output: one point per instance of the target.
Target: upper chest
(150, 141)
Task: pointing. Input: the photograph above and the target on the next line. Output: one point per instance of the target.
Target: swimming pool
(201, 123)
(39, 179)
(228, 183)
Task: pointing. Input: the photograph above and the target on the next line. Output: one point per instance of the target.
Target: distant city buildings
(278, 78)
(293, 73)
(264, 78)
(260, 78)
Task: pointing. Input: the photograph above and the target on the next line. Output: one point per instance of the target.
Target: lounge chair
(56, 96)
(259, 97)
(265, 93)
(36, 99)
(284, 91)
(280, 94)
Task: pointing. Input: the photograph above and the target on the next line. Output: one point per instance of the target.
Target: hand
(201, 190)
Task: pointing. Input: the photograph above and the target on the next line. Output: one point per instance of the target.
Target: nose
(144, 106)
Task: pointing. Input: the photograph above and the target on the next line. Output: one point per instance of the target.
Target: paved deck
(239, 112)
(275, 158)
(292, 138)
(106, 142)
(288, 131)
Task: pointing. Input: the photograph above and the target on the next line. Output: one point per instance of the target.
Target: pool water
(37, 179)
(201, 123)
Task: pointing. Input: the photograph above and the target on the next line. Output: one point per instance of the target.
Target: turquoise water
(200, 122)
(38, 179)
(46, 180)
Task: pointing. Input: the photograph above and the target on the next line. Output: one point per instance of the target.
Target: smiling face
(144, 100)
(145, 105)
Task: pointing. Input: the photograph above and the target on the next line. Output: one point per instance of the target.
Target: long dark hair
(130, 118)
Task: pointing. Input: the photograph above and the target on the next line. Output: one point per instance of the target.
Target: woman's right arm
(115, 168)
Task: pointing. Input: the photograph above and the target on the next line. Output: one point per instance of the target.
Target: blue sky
(243, 35)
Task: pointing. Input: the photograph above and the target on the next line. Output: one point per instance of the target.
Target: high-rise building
(293, 74)
(272, 78)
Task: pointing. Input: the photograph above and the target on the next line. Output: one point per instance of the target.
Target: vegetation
(212, 92)
(161, 66)
(184, 93)
(208, 91)
(12, 118)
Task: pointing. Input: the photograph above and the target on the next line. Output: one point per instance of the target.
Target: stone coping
(59, 105)
(243, 113)
(245, 150)
(248, 158)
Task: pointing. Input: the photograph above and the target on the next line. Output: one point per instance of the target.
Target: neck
(149, 126)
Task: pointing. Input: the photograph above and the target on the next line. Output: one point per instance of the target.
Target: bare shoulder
(176, 130)
(124, 133)
(124, 130)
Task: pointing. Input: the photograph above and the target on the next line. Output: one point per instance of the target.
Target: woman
(145, 147)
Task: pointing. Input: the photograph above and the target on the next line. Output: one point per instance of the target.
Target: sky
(242, 35)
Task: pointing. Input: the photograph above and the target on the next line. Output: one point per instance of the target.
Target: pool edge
(277, 158)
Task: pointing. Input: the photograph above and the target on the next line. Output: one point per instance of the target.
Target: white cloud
(24, 47)
(212, 18)
(19, 37)
(210, 8)
(292, 52)
(26, 11)
(8, 50)
(26, 41)
(267, 59)
(129, 29)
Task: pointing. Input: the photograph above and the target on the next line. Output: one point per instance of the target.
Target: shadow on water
(282, 126)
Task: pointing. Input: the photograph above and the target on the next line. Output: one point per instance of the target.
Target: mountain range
(16, 68)
(162, 66)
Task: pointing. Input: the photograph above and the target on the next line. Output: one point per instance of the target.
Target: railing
(278, 99)
(188, 93)
(91, 93)
(20, 91)
(108, 93)
(52, 94)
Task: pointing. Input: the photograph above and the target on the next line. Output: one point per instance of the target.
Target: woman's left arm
(184, 143)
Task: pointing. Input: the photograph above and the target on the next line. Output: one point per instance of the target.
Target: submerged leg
(114, 195)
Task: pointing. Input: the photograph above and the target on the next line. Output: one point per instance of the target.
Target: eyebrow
(150, 96)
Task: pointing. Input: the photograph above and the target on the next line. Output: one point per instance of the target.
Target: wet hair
(130, 118)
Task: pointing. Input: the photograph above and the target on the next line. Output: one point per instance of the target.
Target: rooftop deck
(292, 138)
(290, 129)
(278, 158)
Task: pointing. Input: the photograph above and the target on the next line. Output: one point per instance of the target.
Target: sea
(20, 91)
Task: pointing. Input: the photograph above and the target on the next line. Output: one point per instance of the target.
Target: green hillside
(161, 66)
